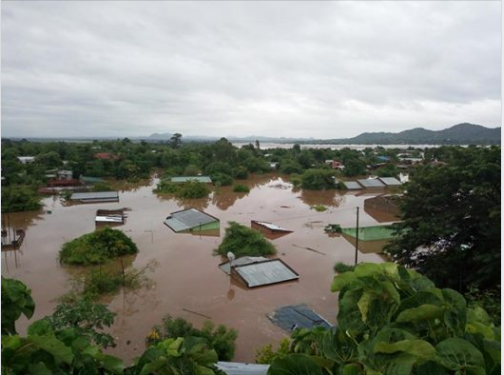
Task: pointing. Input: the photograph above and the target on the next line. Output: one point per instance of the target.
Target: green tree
(17, 198)
(176, 140)
(354, 167)
(451, 222)
(243, 241)
(318, 179)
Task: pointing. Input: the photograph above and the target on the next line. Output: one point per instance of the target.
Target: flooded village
(186, 281)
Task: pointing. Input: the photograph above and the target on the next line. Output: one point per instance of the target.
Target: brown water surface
(187, 281)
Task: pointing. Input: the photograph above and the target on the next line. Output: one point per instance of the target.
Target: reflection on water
(188, 278)
(366, 247)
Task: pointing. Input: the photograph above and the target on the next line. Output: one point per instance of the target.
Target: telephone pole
(357, 238)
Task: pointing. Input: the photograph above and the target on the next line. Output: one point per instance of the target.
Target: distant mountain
(460, 134)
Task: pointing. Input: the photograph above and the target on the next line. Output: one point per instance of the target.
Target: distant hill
(460, 134)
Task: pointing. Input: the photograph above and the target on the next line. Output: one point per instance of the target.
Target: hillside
(458, 134)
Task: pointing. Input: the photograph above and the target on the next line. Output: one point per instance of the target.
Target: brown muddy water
(187, 282)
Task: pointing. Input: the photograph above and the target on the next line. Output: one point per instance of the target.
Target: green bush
(101, 186)
(240, 173)
(266, 354)
(243, 241)
(221, 339)
(333, 228)
(241, 189)
(319, 208)
(318, 179)
(97, 247)
(19, 198)
(222, 179)
(289, 166)
(341, 267)
(98, 282)
(188, 190)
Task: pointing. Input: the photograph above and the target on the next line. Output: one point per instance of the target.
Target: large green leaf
(52, 345)
(294, 364)
(459, 355)
(418, 348)
(423, 312)
(363, 305)
(368, 269)
(342, 280)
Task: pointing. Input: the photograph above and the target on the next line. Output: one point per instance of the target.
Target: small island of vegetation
(243, 241)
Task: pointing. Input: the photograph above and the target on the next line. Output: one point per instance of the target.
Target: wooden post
(357, 238)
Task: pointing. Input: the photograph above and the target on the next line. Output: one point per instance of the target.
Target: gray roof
(95, 195)
(371, 183)
(235, 368)
(204, 179)
(239, 262)
(297, 316)
(187, 219)
(265, 273)
(352, 185)
(390, 181)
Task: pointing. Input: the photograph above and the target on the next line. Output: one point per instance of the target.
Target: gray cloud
(311, 69)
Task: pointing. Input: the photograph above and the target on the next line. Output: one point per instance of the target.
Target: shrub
(318, 179)
(98, 282)
(333, 228)
(188, 190)
(97, 247)
(243, 241)
(266, 354)
(319, 208)
(221, 339)
(240, 173)
(19, 198)
(241, 189)
(341, 267)
(101, 186)
(289, 166)
(222, 179)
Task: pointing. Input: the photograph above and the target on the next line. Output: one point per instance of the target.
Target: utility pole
(357, 238)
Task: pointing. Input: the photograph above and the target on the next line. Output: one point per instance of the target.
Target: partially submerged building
(352, 185)
(371, 183)
(182, 179)
(110, 216)
(390, 181)
(191, 220)
(297, 316)
(89, 180)
(96, 197)
(268, 228)
(257, 271)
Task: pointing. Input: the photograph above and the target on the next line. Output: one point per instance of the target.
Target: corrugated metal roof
(235, 368)
(239, 262)
(297, 316)
(204, 179)
(371, 183)
(270, 226)
(187, 219)
(95, 195)
(390, 181)
(352, 185)
(265, 273)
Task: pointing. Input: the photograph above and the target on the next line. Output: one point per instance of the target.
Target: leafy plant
(16, 300)
(97, 247)
(333, 228)
(19, 198)
(319, 208)
(241, 189)
(394, 321)
(318, 179)
(341, 267)
(221, 339)
(243, 241)
(266, 354)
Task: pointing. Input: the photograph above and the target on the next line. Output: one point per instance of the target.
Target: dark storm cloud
(323, 69)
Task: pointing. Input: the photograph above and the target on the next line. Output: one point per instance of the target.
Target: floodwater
(186, 281)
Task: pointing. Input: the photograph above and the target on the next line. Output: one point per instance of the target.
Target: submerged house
(182, 179)
(96, 197)
(191, 220)
(268, 228)
(110, 216)
(258, 271)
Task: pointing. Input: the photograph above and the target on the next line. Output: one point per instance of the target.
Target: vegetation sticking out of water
(19, 198)
(186, 190)
(241, 189)
(243, 241)
(341, 267)
(220, 339)
(97, 247)
(319, 208)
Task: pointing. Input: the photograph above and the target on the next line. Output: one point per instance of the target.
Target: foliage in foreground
(220, 339)
(393, 321)
(97, 247)
(187, 190)
(243, 241)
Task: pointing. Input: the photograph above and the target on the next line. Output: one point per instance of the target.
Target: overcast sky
(292, 69)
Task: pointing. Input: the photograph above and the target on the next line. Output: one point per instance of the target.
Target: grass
(243, 241)
(319, 208)
(188, 190)
(97, 247)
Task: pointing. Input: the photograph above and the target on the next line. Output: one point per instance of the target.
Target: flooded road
(187, 282)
